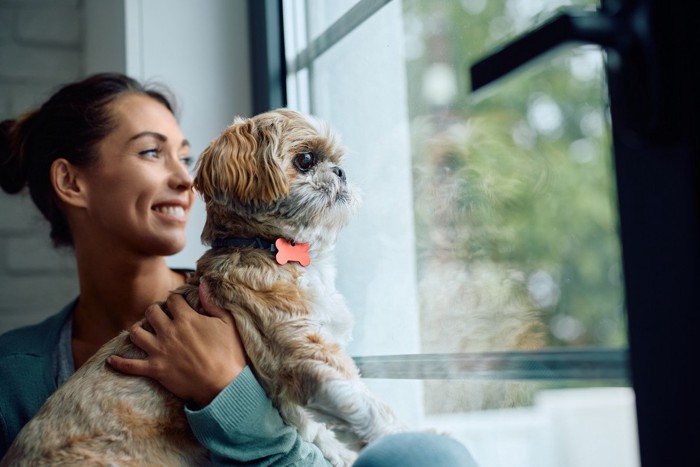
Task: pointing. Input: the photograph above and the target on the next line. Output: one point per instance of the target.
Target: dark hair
(69, 125)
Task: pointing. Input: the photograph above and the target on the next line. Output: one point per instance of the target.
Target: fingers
(178, 306)
(180, 309)
(143, 339)
(157, 318)
(129, 366)
(146, 341)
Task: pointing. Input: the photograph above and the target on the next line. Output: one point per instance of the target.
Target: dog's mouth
(334, 190)
(342, 196)
(340, 199)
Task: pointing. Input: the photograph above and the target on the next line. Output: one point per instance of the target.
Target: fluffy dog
(276, 198)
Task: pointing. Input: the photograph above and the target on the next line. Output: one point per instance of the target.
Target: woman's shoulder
(36, 339)
(26, 372)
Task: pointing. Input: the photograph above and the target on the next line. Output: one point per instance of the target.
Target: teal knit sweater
(240, 426)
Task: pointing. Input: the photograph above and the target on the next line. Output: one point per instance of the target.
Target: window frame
(656, 155)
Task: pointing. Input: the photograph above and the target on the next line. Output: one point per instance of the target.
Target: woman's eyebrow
(152, 134)
(158, 136)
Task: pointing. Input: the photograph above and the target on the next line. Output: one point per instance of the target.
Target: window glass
(484, 266)
(322, 13)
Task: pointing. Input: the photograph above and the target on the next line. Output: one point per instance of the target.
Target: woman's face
(140, 191)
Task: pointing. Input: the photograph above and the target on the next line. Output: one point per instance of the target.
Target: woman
(106, 163)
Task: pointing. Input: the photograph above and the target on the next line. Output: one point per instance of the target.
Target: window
(485, 268)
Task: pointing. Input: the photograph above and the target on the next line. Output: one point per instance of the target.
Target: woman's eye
(153, 152)
(304, 161)
(187, 161)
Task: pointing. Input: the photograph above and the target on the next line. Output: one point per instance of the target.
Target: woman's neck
(114, 294)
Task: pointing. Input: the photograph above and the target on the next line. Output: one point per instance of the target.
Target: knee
(415, 449)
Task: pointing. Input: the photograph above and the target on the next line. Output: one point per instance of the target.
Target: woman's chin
(168, 246)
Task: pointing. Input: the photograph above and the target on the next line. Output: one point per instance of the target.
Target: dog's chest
(329, 312)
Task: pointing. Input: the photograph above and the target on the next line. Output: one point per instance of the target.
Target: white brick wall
(40, 49)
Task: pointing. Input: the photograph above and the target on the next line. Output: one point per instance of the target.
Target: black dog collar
(237, 242)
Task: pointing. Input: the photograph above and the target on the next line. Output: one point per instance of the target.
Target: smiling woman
(71, 125)
(139, 194)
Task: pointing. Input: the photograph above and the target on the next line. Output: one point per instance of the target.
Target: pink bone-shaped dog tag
(291, 251)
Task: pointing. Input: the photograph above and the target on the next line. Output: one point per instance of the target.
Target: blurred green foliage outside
(516, 217)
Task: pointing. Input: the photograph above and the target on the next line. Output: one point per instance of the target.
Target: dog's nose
(339, 172)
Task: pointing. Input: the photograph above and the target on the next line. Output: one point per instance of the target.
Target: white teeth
(175, 211)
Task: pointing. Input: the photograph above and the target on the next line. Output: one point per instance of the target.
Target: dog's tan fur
(101, 418)
(292, 321)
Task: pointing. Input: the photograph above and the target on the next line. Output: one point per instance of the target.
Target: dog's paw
(341, 458)
(334, 450)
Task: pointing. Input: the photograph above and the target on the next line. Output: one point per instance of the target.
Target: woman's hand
(193, 356)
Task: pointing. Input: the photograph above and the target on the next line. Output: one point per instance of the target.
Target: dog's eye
(304, 161)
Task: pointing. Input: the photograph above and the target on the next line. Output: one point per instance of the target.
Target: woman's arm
(241, 424)
(201, 360)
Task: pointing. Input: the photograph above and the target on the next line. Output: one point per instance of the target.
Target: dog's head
(277, 174)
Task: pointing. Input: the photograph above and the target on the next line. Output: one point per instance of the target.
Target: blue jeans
(415, 449)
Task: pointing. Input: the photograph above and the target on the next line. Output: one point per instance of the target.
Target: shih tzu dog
(276, 197)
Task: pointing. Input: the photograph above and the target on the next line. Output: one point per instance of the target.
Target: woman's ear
(66, 182)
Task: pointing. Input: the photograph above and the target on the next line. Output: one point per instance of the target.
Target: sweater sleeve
(241, 427)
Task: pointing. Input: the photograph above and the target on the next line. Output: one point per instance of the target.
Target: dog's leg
(320, 435)
(309, 371)
(352, 402)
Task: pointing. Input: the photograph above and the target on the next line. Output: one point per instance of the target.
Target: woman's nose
(180, 176)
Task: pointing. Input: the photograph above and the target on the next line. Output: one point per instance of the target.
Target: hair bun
(13, 173)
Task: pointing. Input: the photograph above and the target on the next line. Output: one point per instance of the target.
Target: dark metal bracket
(566, 27)
(624, 33)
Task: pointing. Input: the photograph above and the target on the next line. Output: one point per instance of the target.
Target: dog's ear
(240, 166)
